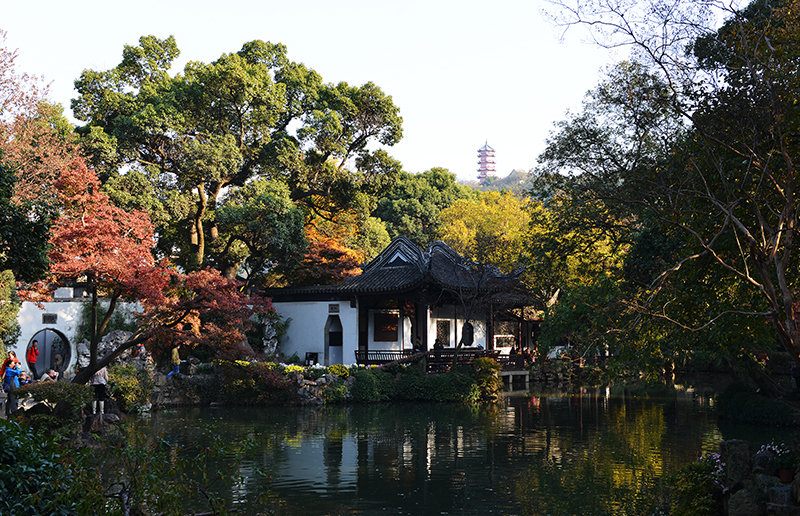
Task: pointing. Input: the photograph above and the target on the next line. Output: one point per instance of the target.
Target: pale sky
(461, 72)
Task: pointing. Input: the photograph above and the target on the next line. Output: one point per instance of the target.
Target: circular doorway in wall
(54, 352)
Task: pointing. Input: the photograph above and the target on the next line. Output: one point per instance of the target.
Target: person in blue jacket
(10, 384)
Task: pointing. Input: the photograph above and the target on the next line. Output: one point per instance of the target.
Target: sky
(462, 73)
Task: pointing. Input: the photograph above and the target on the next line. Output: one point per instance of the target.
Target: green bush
(415, 385)
(452, 386)
(695, 490)
(253, 383)
(131, 388)
(335, 392)
(33, 479)
(69, 397)
(410, 385)
(365, 387)
(387, 387)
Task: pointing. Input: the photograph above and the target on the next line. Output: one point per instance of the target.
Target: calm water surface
(589, 452)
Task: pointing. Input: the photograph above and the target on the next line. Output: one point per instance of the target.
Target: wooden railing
(381, 356)
(439, 360)
(511, 362)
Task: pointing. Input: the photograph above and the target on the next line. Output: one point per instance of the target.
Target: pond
(594, 451)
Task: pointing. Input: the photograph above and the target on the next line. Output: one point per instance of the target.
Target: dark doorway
(333, 338)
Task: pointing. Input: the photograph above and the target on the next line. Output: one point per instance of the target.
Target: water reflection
(586, 452)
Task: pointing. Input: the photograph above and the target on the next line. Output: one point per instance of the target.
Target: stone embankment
(752, 484)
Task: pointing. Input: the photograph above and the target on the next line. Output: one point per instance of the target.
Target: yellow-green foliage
(339, 370)
(486, 372)
(131, 388)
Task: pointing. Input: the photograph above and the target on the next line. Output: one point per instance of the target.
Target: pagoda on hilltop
(485, 162)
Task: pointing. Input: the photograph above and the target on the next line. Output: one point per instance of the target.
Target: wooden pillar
(490, 328)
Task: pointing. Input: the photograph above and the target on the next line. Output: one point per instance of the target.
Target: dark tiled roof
(403, 266)
(383, 280)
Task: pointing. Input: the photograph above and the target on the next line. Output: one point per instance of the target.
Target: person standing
(8, 362)
(175, 360)
(32, 356)
(10, 384)
(98, 382)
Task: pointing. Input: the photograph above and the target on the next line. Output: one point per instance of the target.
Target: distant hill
(518, 182)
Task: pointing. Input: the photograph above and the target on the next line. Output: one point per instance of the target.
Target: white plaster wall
(306, 331)
(449, 313)
(30, 322)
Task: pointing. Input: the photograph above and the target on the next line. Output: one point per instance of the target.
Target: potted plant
(785, 461)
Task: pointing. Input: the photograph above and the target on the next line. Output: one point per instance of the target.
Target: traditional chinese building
(405, 298)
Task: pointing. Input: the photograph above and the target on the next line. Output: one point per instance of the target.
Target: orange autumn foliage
(327, 260)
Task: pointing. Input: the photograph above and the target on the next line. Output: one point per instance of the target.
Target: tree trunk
(197, 237)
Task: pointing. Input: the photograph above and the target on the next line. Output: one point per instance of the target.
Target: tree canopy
(201, 135)
(687, 155)
(489, 229)
(413, 205)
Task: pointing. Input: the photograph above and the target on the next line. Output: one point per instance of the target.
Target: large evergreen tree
(215, 127)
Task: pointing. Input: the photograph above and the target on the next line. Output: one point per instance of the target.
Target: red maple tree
(30, 136)
(109, 251)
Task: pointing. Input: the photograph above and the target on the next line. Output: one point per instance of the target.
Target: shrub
(387, 387)
(339, 370)
(253, 384)
(294, 369)
(696, 489)
(33, 479)
(68, 398)
(365, 387)
(292, 359)
(414, 385)
(335, 392)
(452, 386)
(131, 388)
(486, 373)
(411, 385)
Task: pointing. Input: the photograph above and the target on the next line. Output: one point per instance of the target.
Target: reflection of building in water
(429, 458)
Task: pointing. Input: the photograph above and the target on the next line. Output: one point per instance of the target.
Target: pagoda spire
(486, 164)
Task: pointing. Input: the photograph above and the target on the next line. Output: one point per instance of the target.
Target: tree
(250, 114)
(109, 249)
(261, 228)
(34, 136)
(728, 190)
(24, 231)
(489, 229)
(327, 260)
(412, 207)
